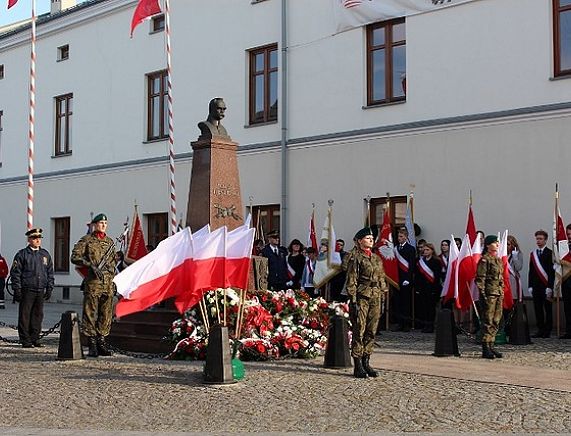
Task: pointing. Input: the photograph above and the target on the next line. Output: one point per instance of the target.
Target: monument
(214, 197)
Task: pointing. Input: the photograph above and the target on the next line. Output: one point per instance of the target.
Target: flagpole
(414, 235)
(387, 302)
(172, 192)
(555, 241)
(367, 219)
(31, 120)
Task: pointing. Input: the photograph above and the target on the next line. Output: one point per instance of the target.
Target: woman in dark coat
(428, 278)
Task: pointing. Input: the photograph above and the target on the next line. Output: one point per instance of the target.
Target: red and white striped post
(173, 222)
(31, 134)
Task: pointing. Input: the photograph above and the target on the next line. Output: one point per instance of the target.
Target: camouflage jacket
(89, 251)
(490, 275)
(365, 275)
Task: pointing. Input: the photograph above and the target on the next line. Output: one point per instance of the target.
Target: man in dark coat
(277, 266)
(33, 282)
(540, 282)
(406, 257)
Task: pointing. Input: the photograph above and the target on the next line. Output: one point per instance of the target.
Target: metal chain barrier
(44, 333)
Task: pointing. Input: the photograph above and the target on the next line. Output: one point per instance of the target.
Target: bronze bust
(213, 127)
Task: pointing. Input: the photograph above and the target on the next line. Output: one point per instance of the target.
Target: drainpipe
(284, 127)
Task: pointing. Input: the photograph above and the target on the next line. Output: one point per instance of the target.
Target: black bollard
(218, 367)
(446, 342)
(519, 328)
(69, 338)
(337, 352)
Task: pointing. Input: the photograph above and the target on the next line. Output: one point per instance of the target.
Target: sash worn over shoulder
(425, 270)
(539, 268)
(403, 264)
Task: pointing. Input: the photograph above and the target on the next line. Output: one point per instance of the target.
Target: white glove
(530, 290)
(549, 293)
(290, 283)
(405, 283)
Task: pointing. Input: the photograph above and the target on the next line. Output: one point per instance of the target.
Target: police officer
(96, 252)
(32, 275)
(490, 283)
(365, 282)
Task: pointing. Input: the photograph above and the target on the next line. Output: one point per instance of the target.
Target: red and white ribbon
(426, 271)
(539, 268)
(403, 264)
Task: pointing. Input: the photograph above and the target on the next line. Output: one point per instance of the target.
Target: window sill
(61, 155)
(253, 2)
(380, 105)
(267, 123)
(154, 32)
(561, 77)
(62, 60)
(152, 141)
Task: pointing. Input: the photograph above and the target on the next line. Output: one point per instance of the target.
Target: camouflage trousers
(97, 314)
(491, 316)
(365, 325)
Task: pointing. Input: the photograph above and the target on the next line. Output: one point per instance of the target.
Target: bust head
(216, 109)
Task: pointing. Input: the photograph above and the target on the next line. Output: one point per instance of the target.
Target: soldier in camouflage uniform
(490, 282)
(365, 283)
(98, 287)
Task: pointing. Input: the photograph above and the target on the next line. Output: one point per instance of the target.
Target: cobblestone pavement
(119, 393)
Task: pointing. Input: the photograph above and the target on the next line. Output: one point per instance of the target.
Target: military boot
(486, 351)
(103, 347)
(359, 371)
(370, 371)
(495, 352)
(92, 344)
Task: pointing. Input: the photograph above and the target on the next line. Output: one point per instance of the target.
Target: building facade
(474, 96)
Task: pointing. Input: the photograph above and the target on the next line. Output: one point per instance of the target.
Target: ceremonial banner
(144, 10)
(11, 3)
(471, 226)
(561, 255)
(503, 254)
(136, 247)
(385, 248)
(409, 220)
(328, 265)
(311, 236)
(356, 13)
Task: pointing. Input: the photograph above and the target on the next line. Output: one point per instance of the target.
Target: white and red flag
(450, 288)
(136, 247)
(185, 266)
(385, 248)
(503, 254)
(465, 275)
(145, 9)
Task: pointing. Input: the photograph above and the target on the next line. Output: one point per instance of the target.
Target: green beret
(490, 239)
(100, 217)
(363, 232)
(34, 233)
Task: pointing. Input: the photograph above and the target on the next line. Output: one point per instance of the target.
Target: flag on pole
(311, 236)
(449, 288)
(385, 248)
(503, 254)
(471, 226)
(465, 274)
(409, 220)
(561, 254)
(356, 13)
(136, 247)
(144, 10)
(11, 3)
(328, 265)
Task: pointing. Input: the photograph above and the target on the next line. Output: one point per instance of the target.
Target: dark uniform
(365, 283)
(98, 288)
(277, 264)
(490, 283)
(32, 275)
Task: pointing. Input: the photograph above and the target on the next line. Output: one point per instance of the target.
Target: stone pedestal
(214, 196)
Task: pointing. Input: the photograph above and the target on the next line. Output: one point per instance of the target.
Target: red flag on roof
(11, 3)
(144, 10)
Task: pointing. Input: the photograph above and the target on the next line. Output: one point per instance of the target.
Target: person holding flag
(365, 283)
(490, 283)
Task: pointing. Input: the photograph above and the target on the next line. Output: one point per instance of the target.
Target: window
(64, 112)
(397, 211)
(63, 53)
(158, 23)
(1, 128)
(157, 106)
(264, 84)
(266, 218)
(386, 62)
(1, 72)
(562, 36)
(61, 244)
(156, 228)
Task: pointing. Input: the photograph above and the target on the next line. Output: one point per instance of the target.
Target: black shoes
(359, 371)
(367, 367)
(26, 345)
(565, 336)
(487, 352)
(92, 344)
(103, 347)
(37, 345)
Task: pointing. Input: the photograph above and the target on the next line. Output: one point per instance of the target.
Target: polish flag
(11, 3)
(476, 256)
(385, 248)
(503, 254)
(465, 275)
(311, 236)
(450, 286)
(144, 10)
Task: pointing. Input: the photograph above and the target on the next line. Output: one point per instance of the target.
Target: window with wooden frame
(63, 53)
(386, 62)
(562, 37)
(397, 212)
(61, 244)
(63, 127)
(157, 106)
(264, 84)
(158, 23)
(157, 228)
(266, 218)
